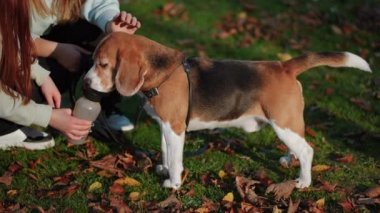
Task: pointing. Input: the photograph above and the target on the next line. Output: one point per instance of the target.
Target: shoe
(28, 138)
(119, 122)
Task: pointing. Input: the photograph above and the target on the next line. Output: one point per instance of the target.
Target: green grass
(341, 127)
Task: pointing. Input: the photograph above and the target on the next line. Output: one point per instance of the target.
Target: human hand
(51, 93)
(73, 128)
(123, 22)
(69, 56)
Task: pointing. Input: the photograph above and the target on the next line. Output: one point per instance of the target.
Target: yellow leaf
(320, 168)
(127, 181)
(284, 56)
(134, 196)
(221, 174)
(276, 210)
(320, 203)
(94, 186)
(229, 197)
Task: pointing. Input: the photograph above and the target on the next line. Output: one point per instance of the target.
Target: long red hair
(16, 49)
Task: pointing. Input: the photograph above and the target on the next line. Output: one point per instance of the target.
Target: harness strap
(154, 91)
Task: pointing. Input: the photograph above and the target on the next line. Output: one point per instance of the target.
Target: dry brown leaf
(210, 205)
(347, 205)
(108, 163)
(91, 151)
(117, 202)
(6, 179)
(328, 187)
(293, 206)
(246, 188)
(116, 189)
(171, 202)
(346, 159)
(329, 91)
(282, 190)
(373, 192)
(310, 132)
(363, 104)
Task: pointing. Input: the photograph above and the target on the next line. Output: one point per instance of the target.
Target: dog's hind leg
(301, 149)
(174, 149)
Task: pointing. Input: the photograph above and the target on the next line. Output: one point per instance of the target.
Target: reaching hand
(123, 22)
(51, 93)
(69, 56)
(73, 128)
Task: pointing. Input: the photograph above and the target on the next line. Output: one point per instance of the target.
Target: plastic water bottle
(87, 108)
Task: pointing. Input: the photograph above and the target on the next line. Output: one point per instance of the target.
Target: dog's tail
(333, 59)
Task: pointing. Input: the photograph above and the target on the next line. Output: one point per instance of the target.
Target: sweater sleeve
(32, 113)
(38, 73)
(100, 12)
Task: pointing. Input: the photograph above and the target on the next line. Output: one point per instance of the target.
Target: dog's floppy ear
(130, 72)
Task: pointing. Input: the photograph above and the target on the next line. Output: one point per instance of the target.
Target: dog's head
(130, 63)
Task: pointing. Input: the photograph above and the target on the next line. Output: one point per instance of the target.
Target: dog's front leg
(163, 169)
(174, 149)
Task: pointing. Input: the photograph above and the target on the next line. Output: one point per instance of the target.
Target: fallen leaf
(293, 206)
(134, 196)
(320, 203)
(284, 56)
(116, 189)
(310, 132)
(276, 210)
(171, 202)
(281, 190)
(347, 205)
(229, 197)
(320, 168)
(246, 188)
(373, 192)
(328, 187)
(363, 104)
(336, 30)
(11, 193)
(202, 210)
(247, 207)
(118, 203)
(221, 174)
(329, 91)
(95, 186)
(345, 159)
(6, 179)
(127, 181)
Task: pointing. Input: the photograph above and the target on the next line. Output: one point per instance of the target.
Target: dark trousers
(82, 34)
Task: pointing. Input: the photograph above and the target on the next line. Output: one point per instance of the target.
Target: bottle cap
(93, 95)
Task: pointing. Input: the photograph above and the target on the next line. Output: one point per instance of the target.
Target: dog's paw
(303, 183)
(168, 184)
(162, 170)
(285, 161)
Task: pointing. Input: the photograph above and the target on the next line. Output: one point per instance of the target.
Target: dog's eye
(103, 65)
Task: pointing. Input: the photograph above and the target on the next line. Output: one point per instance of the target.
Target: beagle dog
(200, 93)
